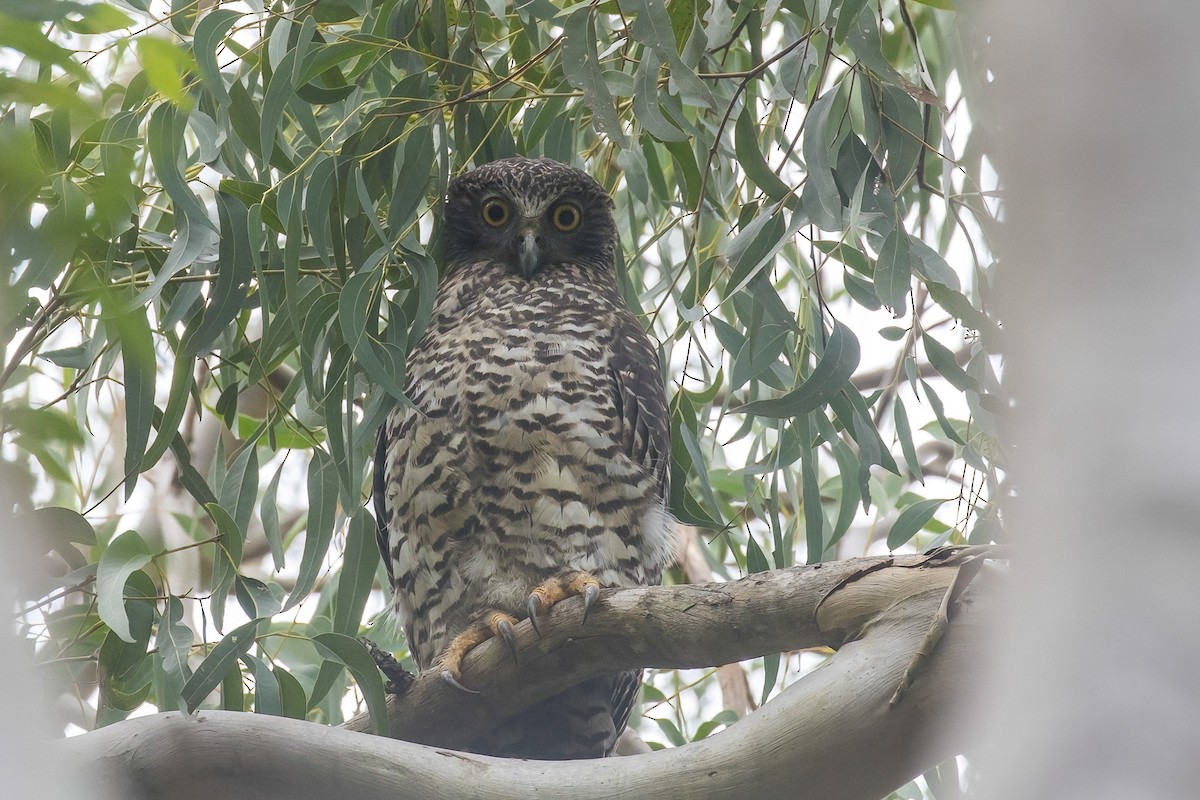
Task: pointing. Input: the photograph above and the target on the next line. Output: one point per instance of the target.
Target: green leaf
(646, 108)
(97, 18)
(725, 717)
(814, 515)
(904, 434)
(27, 37)
(821, 197)
(670, 730)
(256, 597)
(581, 65)
(930, 265)
(235, 269)
(226, 559)
(902, 132)
(944, 362)
(893, 271)
(56, 530)
(279, 90)
(831, 374)
(210, 30)
(770, 675)
(351, 652)
(848, 467)
(232, 696)
(652, 27)
(292, 700)
(359, 561)
(861, 291)
(266, 686)
(322, 506)
(191, 479)
(754, 248)
(911, 520)
(316, 319)
(956, 304)
(165, 66)
(164, 139)
(684, 159)
(240, 487)
(863, 37)
(939, 411)
(174, 641)
(140, 369)
(183, 381)
(214, 669)
(759, 353)
(847, 11)
(125, 667)
(383, 361)
(756, 560)
(124, 555)
(126, 670)
(269, 512)
(750, 158)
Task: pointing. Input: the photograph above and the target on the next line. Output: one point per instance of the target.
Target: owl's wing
(378, 497)
(640, 404)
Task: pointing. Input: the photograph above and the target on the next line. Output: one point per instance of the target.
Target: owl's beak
(528, 253)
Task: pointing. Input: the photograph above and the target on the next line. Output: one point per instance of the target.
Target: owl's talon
(533, 607)
(548, 593)
(449, 678)
(505, 629)
(589, 599)
(490, 624)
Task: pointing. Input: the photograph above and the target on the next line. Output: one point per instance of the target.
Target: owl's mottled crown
(534, 181)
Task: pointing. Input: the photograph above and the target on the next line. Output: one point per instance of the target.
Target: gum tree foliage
(217, 220)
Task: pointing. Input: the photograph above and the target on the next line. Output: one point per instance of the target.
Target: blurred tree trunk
(1096, 673)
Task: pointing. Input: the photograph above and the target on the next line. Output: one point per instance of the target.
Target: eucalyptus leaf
(359, 560)
(322, 505)
(828, 378)
(216, 666)
(123, 556)
(350, 652)
(911, 520)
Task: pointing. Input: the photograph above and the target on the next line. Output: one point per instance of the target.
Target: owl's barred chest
(510, 361)
(519, 371)
(537, 471)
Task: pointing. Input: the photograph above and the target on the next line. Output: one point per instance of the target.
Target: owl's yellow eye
(495, 212)
(566, 217)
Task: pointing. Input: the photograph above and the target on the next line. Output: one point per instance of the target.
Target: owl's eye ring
(495, 212)
(566, 217)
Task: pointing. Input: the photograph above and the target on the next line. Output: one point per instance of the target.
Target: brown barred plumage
(538, 441)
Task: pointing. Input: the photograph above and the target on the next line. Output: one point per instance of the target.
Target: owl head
(530, 214)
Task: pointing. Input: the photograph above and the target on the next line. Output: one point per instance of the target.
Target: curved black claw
(533, 606)
(589, 599)
(505, 629)
(449, 678)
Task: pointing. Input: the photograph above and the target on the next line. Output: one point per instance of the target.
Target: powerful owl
(533, 462)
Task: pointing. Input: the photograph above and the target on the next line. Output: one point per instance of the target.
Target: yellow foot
(567, 584)
(492, 624)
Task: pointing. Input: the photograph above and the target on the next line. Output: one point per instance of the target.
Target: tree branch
(675, 627)
(832, 733)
